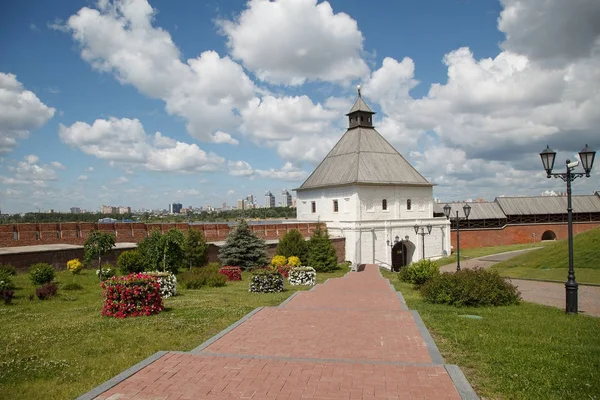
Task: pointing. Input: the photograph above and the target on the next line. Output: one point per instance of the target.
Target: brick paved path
(350, 338)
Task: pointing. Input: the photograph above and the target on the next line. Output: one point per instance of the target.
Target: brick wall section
(514, 234)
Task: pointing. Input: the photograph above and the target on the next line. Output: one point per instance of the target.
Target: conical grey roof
(362, 155)
(360, 105)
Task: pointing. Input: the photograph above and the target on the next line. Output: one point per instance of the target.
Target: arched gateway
(399, 256)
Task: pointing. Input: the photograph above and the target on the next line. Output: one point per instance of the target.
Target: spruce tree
(244, 249)
(293, 244)
(321, 253)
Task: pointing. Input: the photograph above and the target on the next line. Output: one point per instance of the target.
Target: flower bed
(266, 281)
(107, 273)
(232, 273)
(284, 270)
(167, 282)
(131, 296)
(305, 276)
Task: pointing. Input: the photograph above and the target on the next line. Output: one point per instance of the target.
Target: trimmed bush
(419, 272)
(471, 287)
(6, 282)
(46, 291)
(7, 296)
(41, 273)
(216, 280)
(167, 282)
(306, 276)
(72, 286)
(131, 262)
(278, 261)
(8, 269)
(131, 296)
(266, 281)
(74, 266)
(232, 273)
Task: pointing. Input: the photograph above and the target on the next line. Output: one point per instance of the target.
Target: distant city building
(241, 204)
(124, 210)
(75, 210)
(110, 210)
(286, 198)
(175, 208)
(269, 200)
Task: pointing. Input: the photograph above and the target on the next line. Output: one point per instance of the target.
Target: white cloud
(89, 169)
(82, 178)
(32, 159)
(30, 173)
(57, 165)
(119, 38)
(120, 180)
(223, 137)
(288, 172)
(125, 141)
(291, 41)
(22, 112)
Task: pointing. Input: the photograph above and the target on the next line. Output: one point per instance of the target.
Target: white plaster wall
(347, 198)
(370, 198)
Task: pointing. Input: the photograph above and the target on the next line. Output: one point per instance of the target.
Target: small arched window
(384, 204)
(408, 204)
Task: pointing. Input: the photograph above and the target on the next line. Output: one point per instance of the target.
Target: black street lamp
(396, 240)
(467, 211)
(422, 233)
(587, 161)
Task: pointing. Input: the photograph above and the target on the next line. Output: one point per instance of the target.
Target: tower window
(384, 204)
(408, 204)
(313, 207)
(335, 206)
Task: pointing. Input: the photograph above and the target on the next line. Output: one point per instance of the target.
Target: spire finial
(358, 87)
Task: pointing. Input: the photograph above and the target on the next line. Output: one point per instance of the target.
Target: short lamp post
(422, 233)
(447, 212)
(397, 240)
(587, 161)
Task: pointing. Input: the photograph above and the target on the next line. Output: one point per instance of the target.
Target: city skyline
(200, 104)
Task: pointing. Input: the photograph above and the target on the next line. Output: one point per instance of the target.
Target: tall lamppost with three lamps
(422, 233)
(587, 161)
(467, 211)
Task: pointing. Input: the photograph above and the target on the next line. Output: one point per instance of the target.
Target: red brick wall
(514, 234)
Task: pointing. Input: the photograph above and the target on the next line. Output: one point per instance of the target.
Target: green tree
(243, 248)
(195, 248)
(96, 245)
(149, 250)
(321, 253)
(293, 244)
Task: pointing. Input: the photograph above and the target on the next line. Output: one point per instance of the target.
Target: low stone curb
(465, 390)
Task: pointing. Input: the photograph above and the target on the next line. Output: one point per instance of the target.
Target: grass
(552, 262)
(486, 251)
(63, 347)
(527, 351)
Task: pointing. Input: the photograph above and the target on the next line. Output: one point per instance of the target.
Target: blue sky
(143, 104)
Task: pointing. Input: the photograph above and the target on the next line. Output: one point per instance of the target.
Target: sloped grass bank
(466, 254)
(527, 351)
(62, 348)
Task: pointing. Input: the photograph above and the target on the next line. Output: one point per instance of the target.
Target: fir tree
(321, 253)
(293, 244)
(195, 248)
(243, 249)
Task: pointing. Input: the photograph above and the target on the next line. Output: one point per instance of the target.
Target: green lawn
(486, 251)
(527, 351)
(63, 347)
(552, 262)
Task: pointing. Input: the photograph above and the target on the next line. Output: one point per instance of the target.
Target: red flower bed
(284, 270)
(131, 296)
(232, 273)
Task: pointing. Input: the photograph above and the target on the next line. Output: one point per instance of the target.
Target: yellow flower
(294, 261)
(278, 261)
(74, 266)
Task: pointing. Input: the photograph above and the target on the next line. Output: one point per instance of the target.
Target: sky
(145, 103)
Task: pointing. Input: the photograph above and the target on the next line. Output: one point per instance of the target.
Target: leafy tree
(195, 248)
(149, 250)
(171, 246)
(131, 262)
(96, 245)
(321, 253)
(293, 244)
(243, 248)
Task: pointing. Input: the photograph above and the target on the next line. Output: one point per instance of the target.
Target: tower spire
(360, 114)
(358, 88)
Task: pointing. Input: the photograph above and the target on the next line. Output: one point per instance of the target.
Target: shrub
(471, 287)
(216, 280)
(302, 276)
(419, 272)
(74, 266)
(294, 261)
(6, 282)
(194, 284)
(232, 273)
(41, 273)
(8, 269)
(131, 296)
(293, 244)
(211, 267)
(72, 286)
(266, 281)
(243, 248)
(46, 291)
(108, 271)
(167, 282)
(7, 296)
(130, 262)
(321, 254)
(198, 277)
(278, 261)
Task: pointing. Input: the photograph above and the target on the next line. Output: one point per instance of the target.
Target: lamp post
(467, 211)
(587, 161)
(422, 233)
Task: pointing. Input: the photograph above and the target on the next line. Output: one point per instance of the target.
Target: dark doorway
(549, 235)
(399, 256)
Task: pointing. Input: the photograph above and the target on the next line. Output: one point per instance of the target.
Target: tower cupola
(360, 114)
